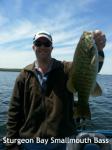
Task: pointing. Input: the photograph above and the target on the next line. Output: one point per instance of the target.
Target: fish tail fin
(97, 91)
(82, 111)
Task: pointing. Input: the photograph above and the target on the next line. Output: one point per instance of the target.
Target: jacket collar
(56, 64)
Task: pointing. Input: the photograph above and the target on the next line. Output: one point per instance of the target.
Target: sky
(64, 19)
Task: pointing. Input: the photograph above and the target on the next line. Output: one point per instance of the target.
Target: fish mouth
(88, 41)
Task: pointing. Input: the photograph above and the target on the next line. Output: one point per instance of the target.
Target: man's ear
(33, 47)
(51, 48)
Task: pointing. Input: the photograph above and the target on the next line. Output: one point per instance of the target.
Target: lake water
(101, 107)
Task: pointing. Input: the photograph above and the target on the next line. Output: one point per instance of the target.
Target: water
(7, 80)
(101, 107)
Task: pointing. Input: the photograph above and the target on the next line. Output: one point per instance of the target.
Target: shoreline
(10, 69)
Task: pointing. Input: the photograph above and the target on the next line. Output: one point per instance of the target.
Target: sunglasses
(46, 44)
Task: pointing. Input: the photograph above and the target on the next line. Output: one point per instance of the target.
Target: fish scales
(83, 73)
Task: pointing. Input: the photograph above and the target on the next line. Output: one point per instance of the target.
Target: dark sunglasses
(46, 44)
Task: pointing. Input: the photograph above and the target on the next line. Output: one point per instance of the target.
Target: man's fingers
(100, 39)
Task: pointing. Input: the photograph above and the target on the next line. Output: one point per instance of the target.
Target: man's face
(43, 48)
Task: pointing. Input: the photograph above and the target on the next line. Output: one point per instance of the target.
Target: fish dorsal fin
(97, 91)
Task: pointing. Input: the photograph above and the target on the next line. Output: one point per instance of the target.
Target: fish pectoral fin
(93, 60)
(97, 91)
(70, 87)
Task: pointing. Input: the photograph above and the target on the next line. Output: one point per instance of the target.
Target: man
(41, 106)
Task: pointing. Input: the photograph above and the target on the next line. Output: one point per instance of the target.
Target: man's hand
(100, 39)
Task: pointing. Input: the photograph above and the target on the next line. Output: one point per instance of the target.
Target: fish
(83, 74)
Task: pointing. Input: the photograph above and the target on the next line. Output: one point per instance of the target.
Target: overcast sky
(64, 19)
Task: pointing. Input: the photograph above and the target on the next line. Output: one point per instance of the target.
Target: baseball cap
(42, 34)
